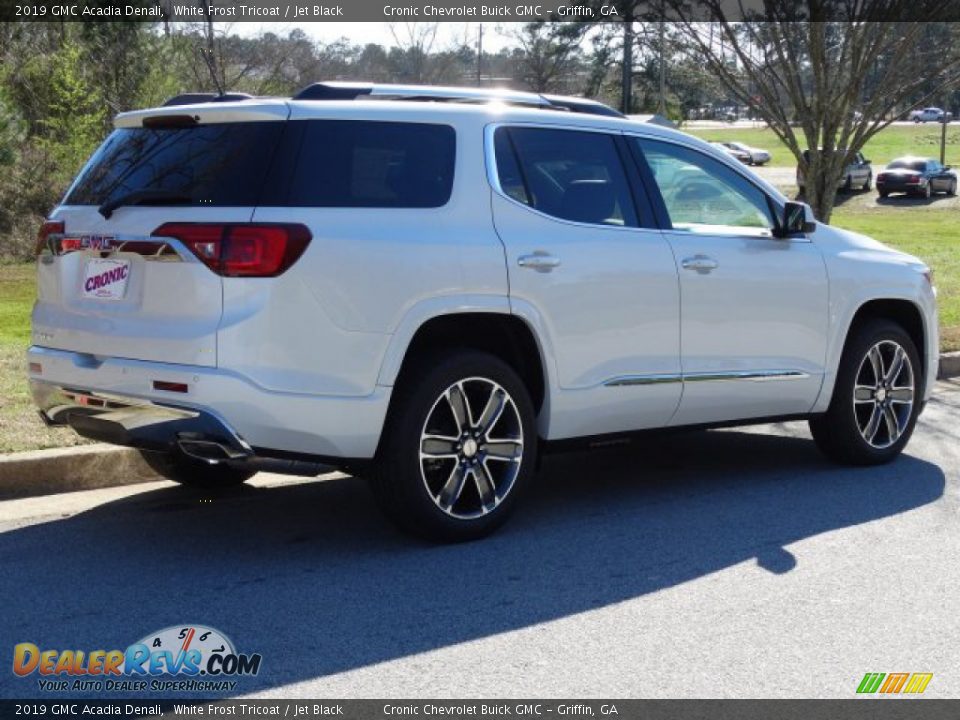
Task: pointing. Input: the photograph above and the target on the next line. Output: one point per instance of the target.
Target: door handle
(539, 261)
(701, 263)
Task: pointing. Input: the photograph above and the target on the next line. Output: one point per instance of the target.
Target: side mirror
(797, 219)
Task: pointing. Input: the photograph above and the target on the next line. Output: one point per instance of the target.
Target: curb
(949, 365)
(85, 467)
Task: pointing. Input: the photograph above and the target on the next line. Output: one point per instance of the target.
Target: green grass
(20, 427)
(894, 141)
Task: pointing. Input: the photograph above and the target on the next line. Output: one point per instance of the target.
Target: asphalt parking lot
(734, 563)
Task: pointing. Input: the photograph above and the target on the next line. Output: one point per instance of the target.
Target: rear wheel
(876, 397)
(952, 190)
(883, 193)
(458, 448)
(179, 467)
(868, 183)
(848, 184)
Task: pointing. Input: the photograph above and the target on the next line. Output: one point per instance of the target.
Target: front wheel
(876, 397)
(952, 190)
(458, 447)
(868, 183)
(180, 467)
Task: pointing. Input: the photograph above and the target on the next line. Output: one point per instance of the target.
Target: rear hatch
(108, 286)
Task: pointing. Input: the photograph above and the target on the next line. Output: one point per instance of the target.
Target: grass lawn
(890, 143)
(20, 427)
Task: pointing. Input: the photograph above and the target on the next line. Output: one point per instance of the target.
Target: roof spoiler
(195, 98)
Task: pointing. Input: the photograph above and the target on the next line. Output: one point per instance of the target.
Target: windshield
(211, 165)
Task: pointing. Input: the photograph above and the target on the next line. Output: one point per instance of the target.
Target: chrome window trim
(493, 179)
(662, 378)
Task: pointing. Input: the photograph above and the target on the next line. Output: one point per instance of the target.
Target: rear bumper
(139, 424)
(114, 400)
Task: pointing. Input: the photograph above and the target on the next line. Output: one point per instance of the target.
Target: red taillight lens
(48, 228)
(242, 250)
(913, 180)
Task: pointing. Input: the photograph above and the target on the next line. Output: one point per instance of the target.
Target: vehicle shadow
(312, 578)
(903, 200)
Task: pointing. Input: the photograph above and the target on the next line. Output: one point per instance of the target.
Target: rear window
(350, 163)
(210, 165)
(918, 165)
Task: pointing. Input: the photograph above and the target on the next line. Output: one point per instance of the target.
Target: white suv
(430, 293)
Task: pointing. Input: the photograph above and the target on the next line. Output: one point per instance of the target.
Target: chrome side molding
(661, 378)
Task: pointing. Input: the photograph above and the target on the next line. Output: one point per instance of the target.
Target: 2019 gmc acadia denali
(426, 292)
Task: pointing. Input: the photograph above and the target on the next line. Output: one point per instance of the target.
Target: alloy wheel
(471, 448)
(883, 394)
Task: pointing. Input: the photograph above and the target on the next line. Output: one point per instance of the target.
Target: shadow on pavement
(312, 578)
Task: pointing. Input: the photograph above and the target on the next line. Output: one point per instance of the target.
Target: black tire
(883, 193)
(847, 184)
(175, 465)
(952, 190)
(410, 491)
(927, 192)
(868, 183)
(838, 432)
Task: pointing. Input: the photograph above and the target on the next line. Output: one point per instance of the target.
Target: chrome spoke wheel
(471, 448)
(883, 394)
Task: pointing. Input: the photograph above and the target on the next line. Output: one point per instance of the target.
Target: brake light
(913, 180)
(241, 250)
(49, 227)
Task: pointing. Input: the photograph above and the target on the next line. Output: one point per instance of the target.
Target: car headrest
(589, 201)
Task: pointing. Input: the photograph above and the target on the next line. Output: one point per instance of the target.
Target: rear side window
(209, 165)
(349, 163)
(569, 174)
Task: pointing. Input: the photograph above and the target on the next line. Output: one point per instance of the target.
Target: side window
(704, 195)
(373, 164)
(568, 174)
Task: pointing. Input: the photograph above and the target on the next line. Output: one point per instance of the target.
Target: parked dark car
(916, 176)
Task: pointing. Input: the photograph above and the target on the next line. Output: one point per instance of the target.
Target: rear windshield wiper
(143, 197)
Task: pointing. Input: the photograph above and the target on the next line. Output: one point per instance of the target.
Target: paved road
(716, 564)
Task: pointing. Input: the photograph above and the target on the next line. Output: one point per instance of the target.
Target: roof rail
(194, 98)
(350, 91)
(582, 105)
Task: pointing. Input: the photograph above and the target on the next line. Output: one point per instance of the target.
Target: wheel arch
(500, 333)
(905, 311)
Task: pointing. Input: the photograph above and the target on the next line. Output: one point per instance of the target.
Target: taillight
(49, 227)
(913, 180)
(241, 250)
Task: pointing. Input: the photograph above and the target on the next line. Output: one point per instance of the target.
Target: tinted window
(918, 165)
(568, 174)
(347, 163)
(219, 164)
(699, 191)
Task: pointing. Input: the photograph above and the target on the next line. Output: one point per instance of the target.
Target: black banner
(860, 709)
(470, 10)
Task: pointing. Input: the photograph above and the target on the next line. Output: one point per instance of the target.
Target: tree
(549, 54)
(824, 74)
